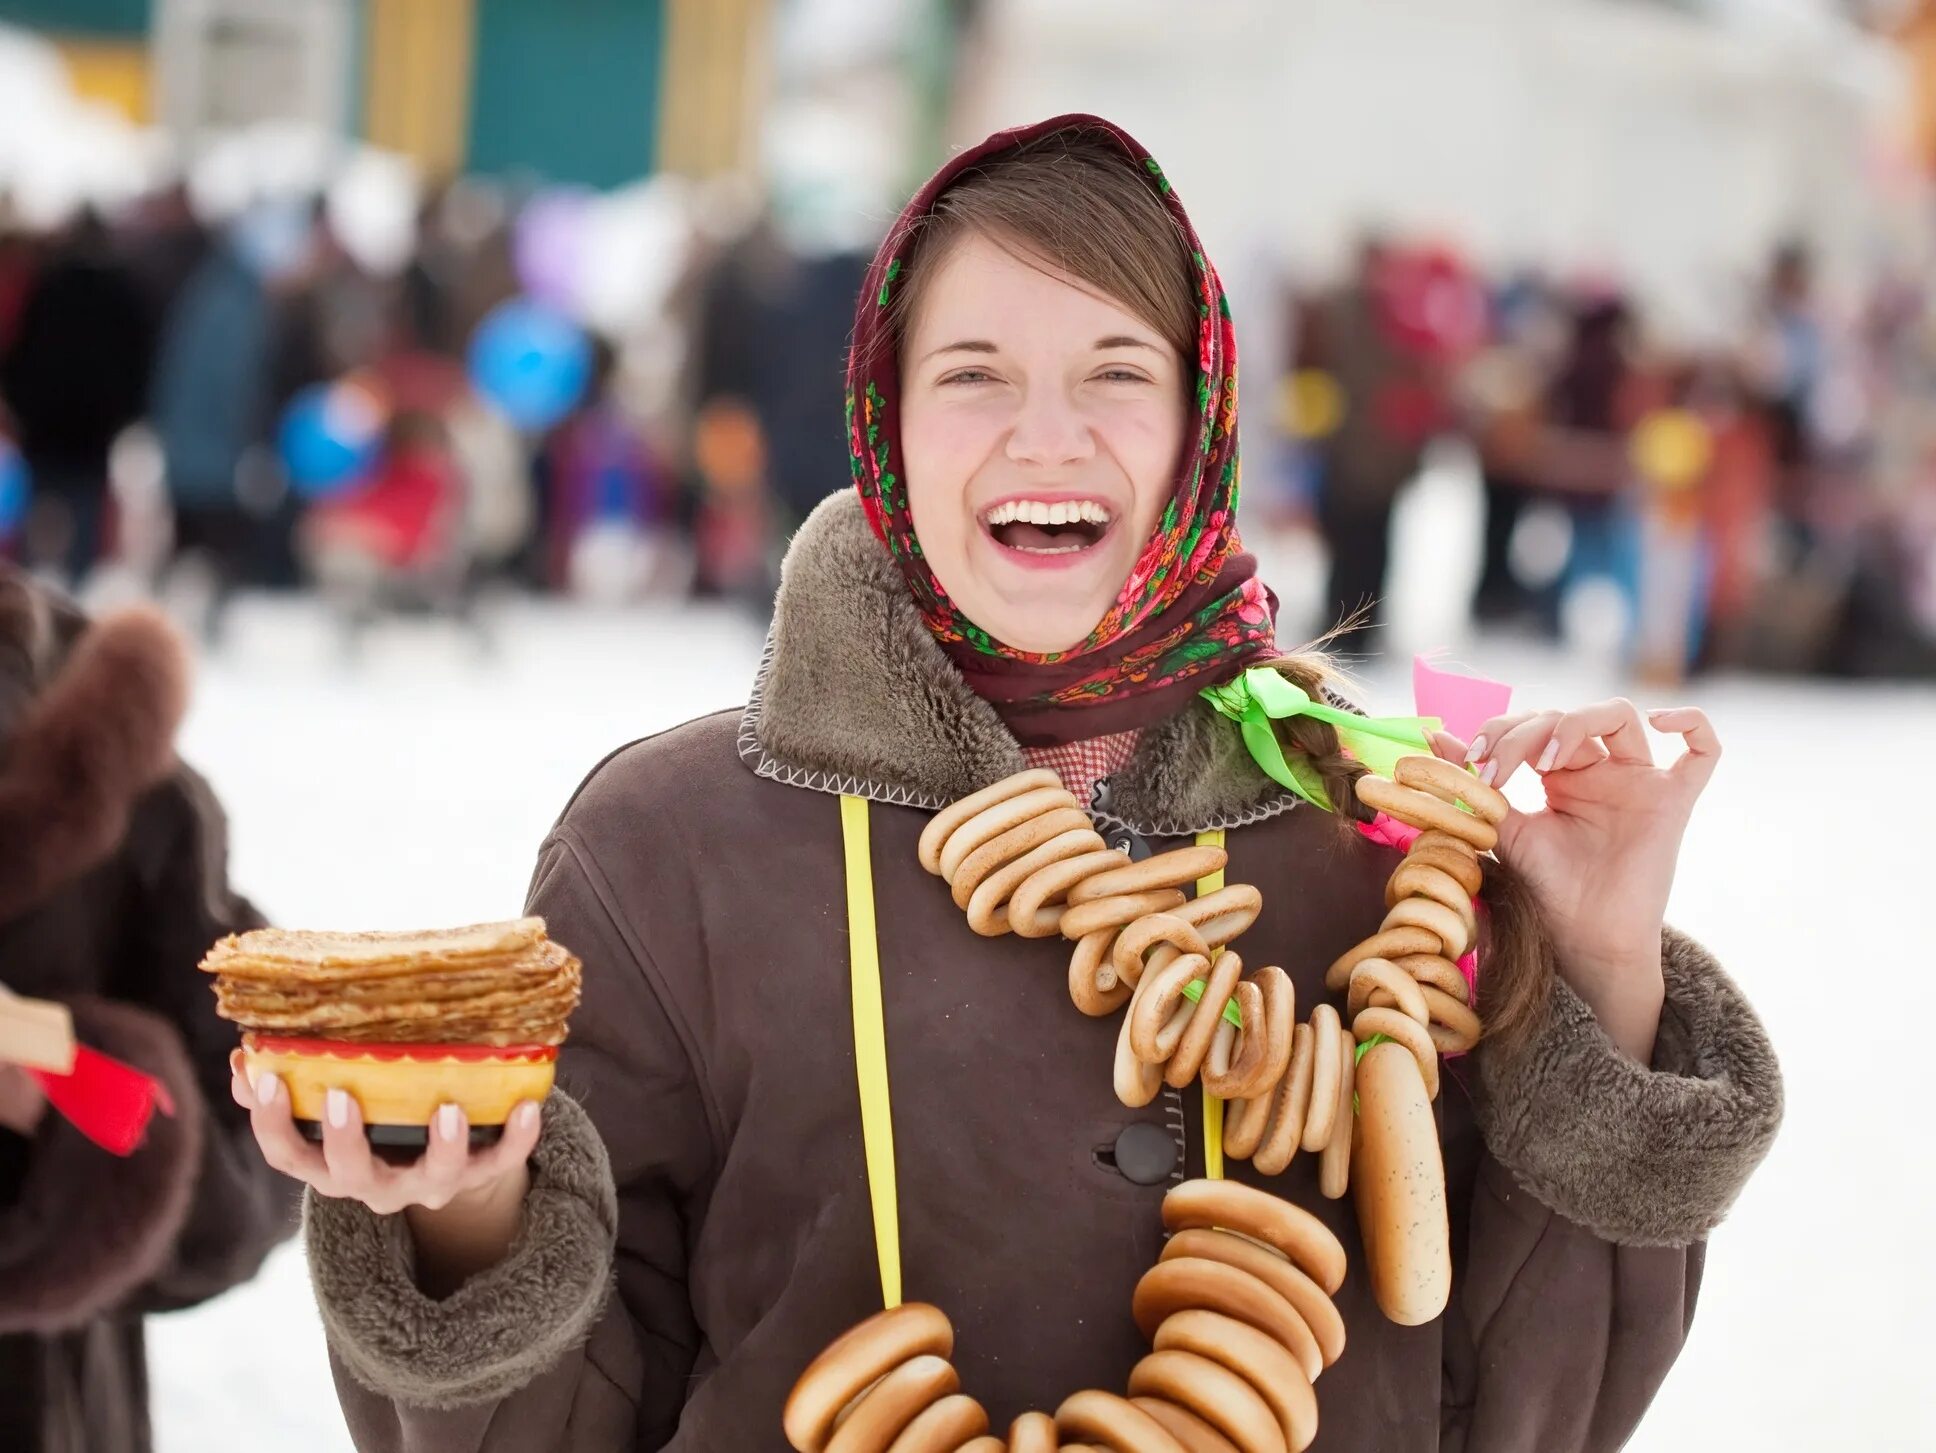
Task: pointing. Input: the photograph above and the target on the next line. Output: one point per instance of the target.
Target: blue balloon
(14, 489)
(533, 362)
(329, 438)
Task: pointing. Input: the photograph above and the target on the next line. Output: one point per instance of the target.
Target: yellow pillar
(714, 69)
(418, 80)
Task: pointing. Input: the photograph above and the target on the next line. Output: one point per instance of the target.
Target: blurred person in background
(1789, 352)
(112, 886)
(735, 532)
(74, 376)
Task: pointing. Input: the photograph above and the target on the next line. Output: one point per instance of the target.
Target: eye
(968, 375)
(1122, 375)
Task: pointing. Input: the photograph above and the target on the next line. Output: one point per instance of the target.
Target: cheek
(1149, 445)
(940, 450)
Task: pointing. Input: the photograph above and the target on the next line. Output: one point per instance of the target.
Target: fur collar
(87, 723)
(855, 697)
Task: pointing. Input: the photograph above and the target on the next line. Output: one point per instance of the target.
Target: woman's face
(1040, 428)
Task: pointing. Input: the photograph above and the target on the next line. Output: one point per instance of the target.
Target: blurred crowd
(1766, 501)
(211, 406)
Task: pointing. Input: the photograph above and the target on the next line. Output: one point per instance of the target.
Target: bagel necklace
(1238, 1310)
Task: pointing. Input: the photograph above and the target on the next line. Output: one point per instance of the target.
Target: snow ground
(415, 788)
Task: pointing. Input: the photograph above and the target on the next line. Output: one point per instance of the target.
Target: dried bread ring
(1275, 1222)
(1398, 1183)
(1418, 878)
(894, 1402)
(1380, 981)
(1032, 1433)
(1036, 905)
(855, 1361)
(1323, 1108)
(1434, 918)
(1245, 1121)
(944, 1427)
(1017, 842)
(1117, 912)
(1289, 1104)
(1187, 1283)
(1439, 972)
(1259, 1360)
(1267, 1035)
(991, 822)
(1225, 914)
(1238, 1064)
(1136, 1082)
(988, 900)
(1452, 783)
(1423, 810)
(1214, 1393)
(1088, 969)
(987, 1443)
(944, 824)
(1318, 1335)
(1195, 1435)
(1387, 944)
(1453, 1026)
(1146, 933)
(1113, 1421)
(1408, 1032)
(1201, 1030)
(1334, 1162)
(1177, 868)
(1159, 1014)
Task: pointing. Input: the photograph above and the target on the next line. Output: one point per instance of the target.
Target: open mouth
(1040, 528)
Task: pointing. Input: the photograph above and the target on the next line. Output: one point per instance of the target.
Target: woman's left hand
(1599, 857)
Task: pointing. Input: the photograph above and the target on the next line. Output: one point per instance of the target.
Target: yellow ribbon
(870, 1046)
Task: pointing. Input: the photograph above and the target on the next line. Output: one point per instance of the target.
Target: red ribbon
(107, 1101)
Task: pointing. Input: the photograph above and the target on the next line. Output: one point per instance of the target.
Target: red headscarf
(1192, 612)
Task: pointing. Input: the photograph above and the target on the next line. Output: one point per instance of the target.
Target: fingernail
(1489, 771)
(526, 1115)
(336, 1105)
(1547, 757)
(1477, 750)
(266, 1086)
(447, 1122)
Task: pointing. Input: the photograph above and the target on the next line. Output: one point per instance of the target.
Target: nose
(1049, 431)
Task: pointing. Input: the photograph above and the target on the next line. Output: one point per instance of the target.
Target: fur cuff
(504, 1326)
(90, 1228)
(1638, 1157)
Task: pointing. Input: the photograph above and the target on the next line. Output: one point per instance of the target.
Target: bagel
(1186, 1283)
(893, 1403)
(1035, 908)
(1435, 918)
(1392, 943)
(1145, 934)
(1261, 1362)
(989, 899)
(1398, 1182)
(1112, 1421)
(1334, 1162)
(1004, 816)
(1244, 1123)
(1214, 1393)
(1088, 967)
(944, 823)
(1186, 1427)
(1018, 842)
(1201, 1030)
(1117, 912)
(1137, 1082)
(1318, 1335)
(1223, 915)
(1420, 878)
(1322, 1111)
(1409, 1033)
(1288, 1105)
(1032, 1433)
(1178, 868)
(1439, 972)
(1452, 783)
(1423, 810)
(1159, 1014)
(945, 1427)
(1238, 1064)
(1454, 1027)
(1275, 1222)
(1380, 981)
(854, 1362)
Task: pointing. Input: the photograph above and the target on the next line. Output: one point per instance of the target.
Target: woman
(112, 884)
(1039, 327)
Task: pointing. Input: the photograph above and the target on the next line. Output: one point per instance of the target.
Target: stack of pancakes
(404, 1023)
(489, 984)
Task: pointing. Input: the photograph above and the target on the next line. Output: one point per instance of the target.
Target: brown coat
(699, 874)
(112, 885)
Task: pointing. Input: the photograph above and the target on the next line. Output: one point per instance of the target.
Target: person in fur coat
(112, 886)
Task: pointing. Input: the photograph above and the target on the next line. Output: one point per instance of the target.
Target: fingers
(1448, 747)
(1516, 742)
(240, 1090)
(1616, 723)
(1703, 752)
(354, 1173)
(275, 1132)
(520, 1138)
(446, 1166)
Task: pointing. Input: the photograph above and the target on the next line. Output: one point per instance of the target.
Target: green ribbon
(1193, 991)
(1263, 695)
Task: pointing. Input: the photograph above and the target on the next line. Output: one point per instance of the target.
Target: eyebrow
(982, 345)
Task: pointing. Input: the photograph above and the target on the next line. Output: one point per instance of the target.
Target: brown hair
(1074, 201)
(1518, 963)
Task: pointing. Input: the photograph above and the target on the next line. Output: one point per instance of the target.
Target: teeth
(1035, 512)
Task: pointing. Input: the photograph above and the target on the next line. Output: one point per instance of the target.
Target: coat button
(1145, 1153)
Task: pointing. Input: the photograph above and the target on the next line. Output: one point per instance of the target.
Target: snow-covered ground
(415, 788)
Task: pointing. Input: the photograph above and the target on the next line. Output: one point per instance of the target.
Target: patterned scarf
(1192, 612)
